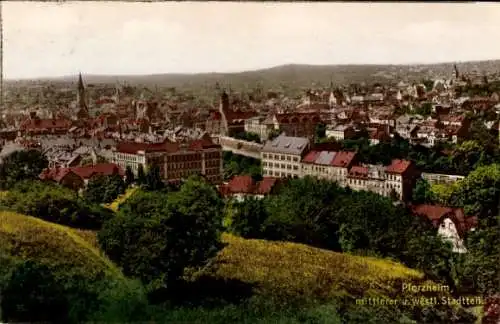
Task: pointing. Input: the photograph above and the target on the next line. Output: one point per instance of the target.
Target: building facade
(282, 156)
(176, 161)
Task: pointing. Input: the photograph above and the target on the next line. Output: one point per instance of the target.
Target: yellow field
(299, 269)
(122, 198)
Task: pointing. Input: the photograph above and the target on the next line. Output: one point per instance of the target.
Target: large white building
(282, 156)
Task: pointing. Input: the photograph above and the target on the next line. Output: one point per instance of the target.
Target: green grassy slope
(29, 238)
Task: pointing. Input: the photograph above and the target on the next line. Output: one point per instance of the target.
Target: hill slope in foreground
(275, 269)
(29, 238)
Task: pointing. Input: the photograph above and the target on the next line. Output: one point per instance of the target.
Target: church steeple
(81, 104)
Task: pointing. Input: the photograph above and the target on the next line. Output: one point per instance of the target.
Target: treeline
(322, 214)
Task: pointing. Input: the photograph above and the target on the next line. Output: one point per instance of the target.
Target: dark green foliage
(481, 272)
(104, 189)
(320, 131)
(129, 176)
(155, 242)
(422, 193)
(141, 175)
(32, 294)
(248, 217)
(273, 134)
(55, 204)
(241, 165)
(153, 179)
(21, 165)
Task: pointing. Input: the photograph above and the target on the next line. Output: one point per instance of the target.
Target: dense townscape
(251, 205)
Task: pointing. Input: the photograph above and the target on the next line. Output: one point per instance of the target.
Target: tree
(273, 134)
(422, 193)
(479, 192)
(248, 216)
(104, 189)
(481, 272)
(153, 179)
(21, 165)
(129, 176)
(55, 204)
(32, 294)
(156, 241)
(141, 175)
(320, 131)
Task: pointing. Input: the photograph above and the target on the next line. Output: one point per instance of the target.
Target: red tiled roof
(265, 186)
(34, 124)
(84, 172)
(241, 184)
(436, 214)
(311, 157)
(201, 144)
(54, 174)
(398, 166)
(343, 159)
(244, 184)
(133, 147)
(105, 169)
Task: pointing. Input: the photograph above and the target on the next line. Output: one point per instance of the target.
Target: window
(295, 159)
(264, 156)
(282, 165)
(288, 158)
(295, 167)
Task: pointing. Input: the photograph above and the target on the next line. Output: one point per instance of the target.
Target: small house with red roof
(77, 177)
(243, 186)
(452, 224)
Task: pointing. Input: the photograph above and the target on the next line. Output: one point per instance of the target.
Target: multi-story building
(282, 156)
(328, 165)
(340, 132)
(296, 124)
(176, 161)
(395, 180)
(256, 125)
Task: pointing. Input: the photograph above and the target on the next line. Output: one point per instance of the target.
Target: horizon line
(36, 78)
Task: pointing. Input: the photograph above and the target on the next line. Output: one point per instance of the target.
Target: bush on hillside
(155, 236)
(21, 165)
(104, 189)
(32, 294)
(55, 204)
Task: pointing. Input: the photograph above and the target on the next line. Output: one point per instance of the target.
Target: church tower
(224, 109)
(81, 104)
(457, 74)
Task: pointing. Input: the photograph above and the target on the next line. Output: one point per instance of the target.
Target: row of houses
(295, 157)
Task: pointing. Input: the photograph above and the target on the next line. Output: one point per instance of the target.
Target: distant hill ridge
(292, 75)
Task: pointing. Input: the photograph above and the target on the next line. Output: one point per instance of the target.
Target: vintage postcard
(249, 162)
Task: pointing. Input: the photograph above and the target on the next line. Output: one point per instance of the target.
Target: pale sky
(55, 39)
